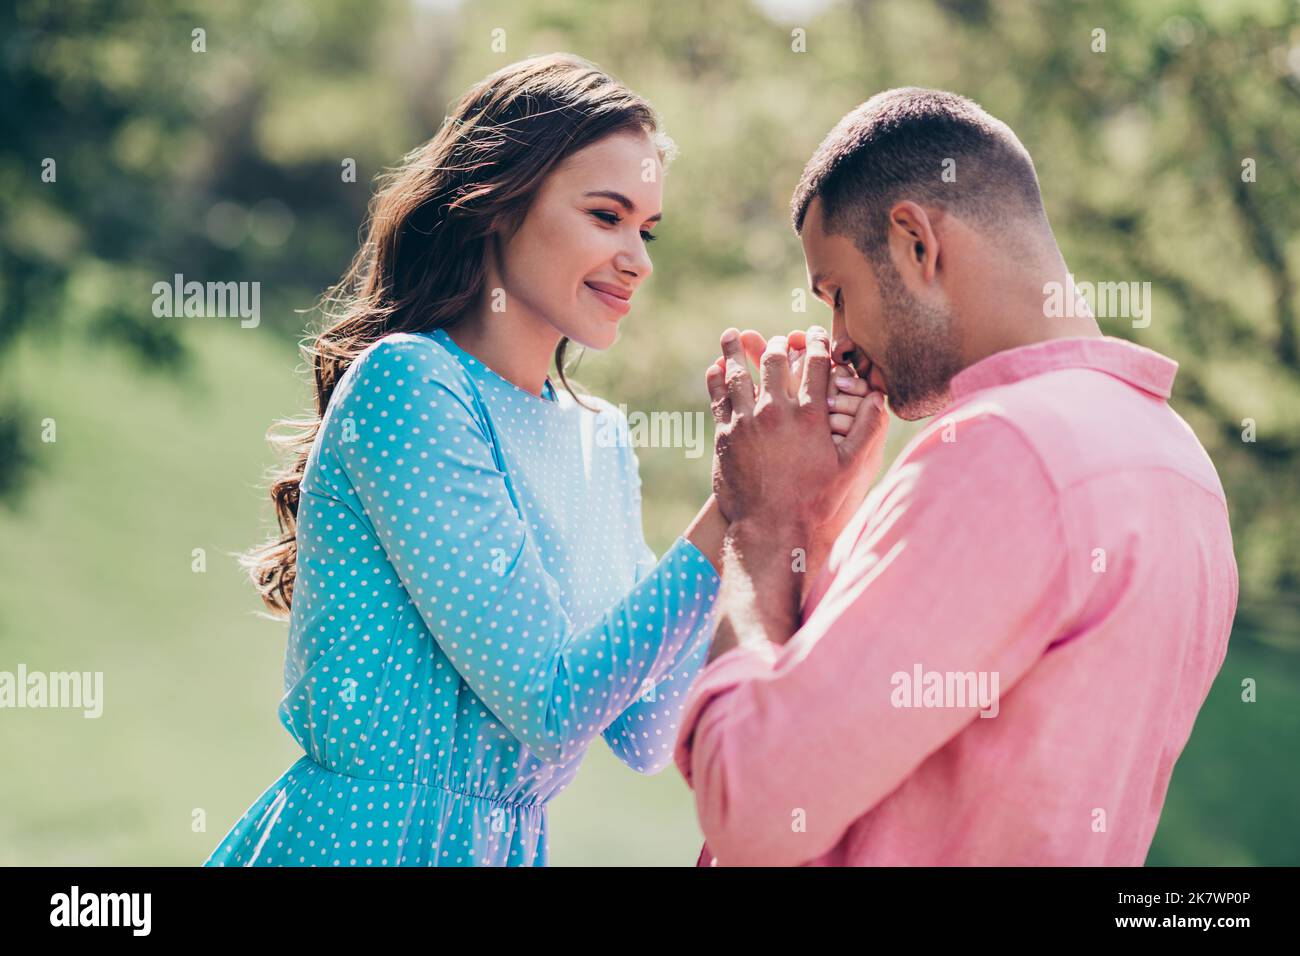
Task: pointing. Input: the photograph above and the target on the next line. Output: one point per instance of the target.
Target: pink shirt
(1056, 538)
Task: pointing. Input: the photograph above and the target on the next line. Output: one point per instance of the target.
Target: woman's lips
(612, 296)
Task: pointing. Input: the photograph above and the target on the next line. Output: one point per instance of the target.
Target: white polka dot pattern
(475, 602)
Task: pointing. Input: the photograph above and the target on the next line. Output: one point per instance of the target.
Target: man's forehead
(817, 269)
(813, 213)
(814, 247)
(813, 234)
(825, 252)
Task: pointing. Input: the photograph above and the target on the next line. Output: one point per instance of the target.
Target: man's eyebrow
(623, 201)
(817, 280)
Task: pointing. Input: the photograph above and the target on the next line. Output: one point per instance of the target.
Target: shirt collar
(1138, 366)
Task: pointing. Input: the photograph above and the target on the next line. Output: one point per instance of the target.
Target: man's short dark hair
(898, 145)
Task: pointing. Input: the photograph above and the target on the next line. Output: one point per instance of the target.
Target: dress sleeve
(642, 736)
(407, 435)
(961, 569)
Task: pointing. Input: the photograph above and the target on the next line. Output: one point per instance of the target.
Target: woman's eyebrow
(623, 201)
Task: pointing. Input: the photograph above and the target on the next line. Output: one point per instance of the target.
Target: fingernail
(878, 400)
(729, 336)
(843, 381)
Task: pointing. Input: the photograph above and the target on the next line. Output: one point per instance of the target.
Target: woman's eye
(612, 219)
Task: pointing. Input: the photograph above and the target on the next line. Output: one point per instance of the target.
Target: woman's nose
(635, 261)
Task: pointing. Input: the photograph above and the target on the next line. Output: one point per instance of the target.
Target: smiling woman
(471, 600)
(571, 267)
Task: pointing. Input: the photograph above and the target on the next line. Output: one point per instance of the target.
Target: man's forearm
(760, 595)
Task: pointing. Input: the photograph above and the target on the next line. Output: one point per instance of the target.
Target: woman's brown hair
(421, 265)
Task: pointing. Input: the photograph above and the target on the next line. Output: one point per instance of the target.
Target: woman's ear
(492, 258)
(505, 225)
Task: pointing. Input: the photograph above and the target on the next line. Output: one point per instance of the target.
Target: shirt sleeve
(419, 458)
(642, 736)
(960, 569)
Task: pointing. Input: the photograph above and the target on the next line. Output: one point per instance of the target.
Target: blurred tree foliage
(226, 164)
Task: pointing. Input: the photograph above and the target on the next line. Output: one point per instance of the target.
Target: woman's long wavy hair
(421, 263)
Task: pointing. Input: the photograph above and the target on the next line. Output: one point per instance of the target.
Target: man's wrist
(764, 535)
(765, 553)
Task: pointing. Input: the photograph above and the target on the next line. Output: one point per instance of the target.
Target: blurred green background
(225, 165)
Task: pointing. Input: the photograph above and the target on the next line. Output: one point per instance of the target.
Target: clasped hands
(794, 453)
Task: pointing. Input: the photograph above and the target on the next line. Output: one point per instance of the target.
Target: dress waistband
(308, 759)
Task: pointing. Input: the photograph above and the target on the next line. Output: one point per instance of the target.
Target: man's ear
(913, 243)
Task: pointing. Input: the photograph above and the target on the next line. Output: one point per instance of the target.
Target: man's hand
(776, 460)
(845, 394)
(780, 480)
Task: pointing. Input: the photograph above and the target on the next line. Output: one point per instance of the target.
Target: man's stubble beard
(922, 353)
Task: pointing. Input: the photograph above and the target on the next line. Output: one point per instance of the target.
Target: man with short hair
(1006, 649)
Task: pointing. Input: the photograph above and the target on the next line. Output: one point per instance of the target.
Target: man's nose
(841, 345)
(841, 351)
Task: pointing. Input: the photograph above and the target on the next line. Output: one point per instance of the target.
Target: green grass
(98, 578)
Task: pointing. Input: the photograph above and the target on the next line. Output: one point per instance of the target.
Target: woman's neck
(518, 347)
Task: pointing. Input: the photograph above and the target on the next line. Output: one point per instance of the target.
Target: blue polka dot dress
(475, 604)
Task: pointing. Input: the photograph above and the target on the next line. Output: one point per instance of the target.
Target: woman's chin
(597, 338)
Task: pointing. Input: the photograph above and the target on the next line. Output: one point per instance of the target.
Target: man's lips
(872, 376)
(616, 297)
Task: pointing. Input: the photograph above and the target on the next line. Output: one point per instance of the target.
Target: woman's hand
(845, 395)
